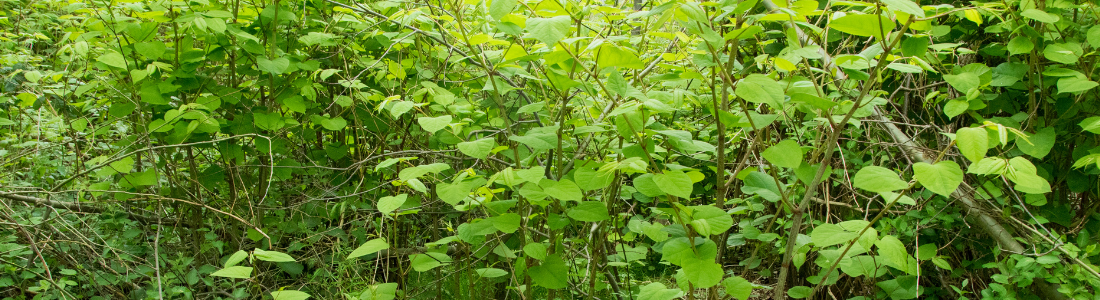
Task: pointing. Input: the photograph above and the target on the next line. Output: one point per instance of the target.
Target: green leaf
(417, 171)
(385, 291)
(1075, 84)
(535, 250)
(112, 59)
(273, 66)
(272, 121)
(674, 183)
(613, 56)
(551, 274)
(825, 235)
(589, 211)
(942, 178)
(507, 223)
(972, 143)
(878, 179)
(758, 183)
(548, 30)
(564, 190)
(491, 272)
(863, 25)
(758, 88)
(237, 257)
(955, 107)
(1020, 44)
(710, 220)
(1066, 53)
(370, 247)
(1090, 124)
(893, 252)
(799, 292)
(738, 288)
(388, 204)
(1040, 16)
(900, 288)
(479, 149)
(333, 124)
(589, 179)
(234, 272)
(703, 273)
(427, 261)
(657, 291)
(499, 8)
(289, 295)
(400, 108)
(905, 6)
(432, 125)
(272, 256)
(1038, 145)
(787, 154)
(963, 82)
(1093, 36)
(926, 251)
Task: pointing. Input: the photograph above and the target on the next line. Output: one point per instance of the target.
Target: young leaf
(878, 179)
(1090, 124)
(657, 291)
(942, 178)
(905, 6)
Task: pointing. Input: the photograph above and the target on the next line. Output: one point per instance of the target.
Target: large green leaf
(893, 252)
(551, 274)
(427, 261)
(385, 291)
(674, 183)
(878, 179)
(825, 235)
(738, 288)
(479, 149)
(272, 256)
(710, 220)
(289, 295)
(564, 190)
(942, 178)
(657, 291)
(234, 272)
(703, 273)
(1038, 145)
(589, 211)
(273, 66)
(1090, 124)
(787, 154)
(758, 88)
(972, 143)
(1075, 85)
(863, 25)
(613, 56)
(388, 204)
(370, 247)
(548, 30)
(433, 124)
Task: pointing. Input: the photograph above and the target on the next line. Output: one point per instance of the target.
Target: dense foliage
(549, 149)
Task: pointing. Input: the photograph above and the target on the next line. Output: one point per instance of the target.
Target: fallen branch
(90, 208)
